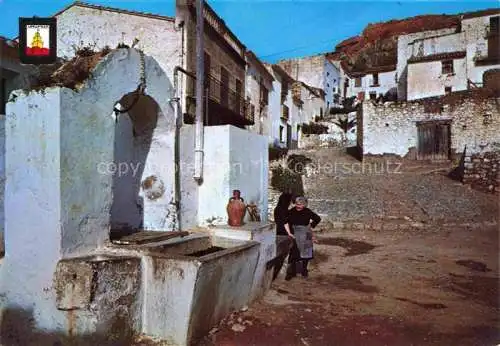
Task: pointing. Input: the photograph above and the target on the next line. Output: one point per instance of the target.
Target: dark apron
(303, 242)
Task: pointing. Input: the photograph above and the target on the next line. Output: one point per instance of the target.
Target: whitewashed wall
(82, 26)
(387, 81)
(274, 110)
(391, 128)
(312, 105)
(316, 71)
(252, 91)
(477, 46)
(234, 159)
(57, 196)
(331, 82)
(33, 207)
(425, 79)
(446, 43)
(405, 51)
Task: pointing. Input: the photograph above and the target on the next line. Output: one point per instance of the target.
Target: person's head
(300, 203)
(236, 193)
(284, 200)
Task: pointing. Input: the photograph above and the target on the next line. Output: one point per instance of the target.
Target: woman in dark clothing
(281, 213)
(299, 224)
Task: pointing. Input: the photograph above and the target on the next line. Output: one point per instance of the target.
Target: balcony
(225, 106)
(285, 112)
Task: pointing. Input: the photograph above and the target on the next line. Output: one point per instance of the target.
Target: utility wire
(297, 48)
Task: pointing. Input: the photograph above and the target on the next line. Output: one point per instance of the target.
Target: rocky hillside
(377, 45)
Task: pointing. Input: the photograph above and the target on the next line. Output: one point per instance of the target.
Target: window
(327, 74)
(447, 67)
(327, 85)
(375, 79)
(357, 82)
(282, 134)
(447, 90)
(373, 95)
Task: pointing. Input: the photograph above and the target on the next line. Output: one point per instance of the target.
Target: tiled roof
(440, 56)
(113, 9)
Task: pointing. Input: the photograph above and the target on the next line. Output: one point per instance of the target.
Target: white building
(83, 25)
(113, 154)
(259, 85)
(284, 112)
(435, 63)
(372, 82)
(311, 100)
(316, 71)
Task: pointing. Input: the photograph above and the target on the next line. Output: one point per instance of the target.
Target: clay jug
(236, 210)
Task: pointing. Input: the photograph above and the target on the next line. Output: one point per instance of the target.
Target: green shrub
(285, 180)
(314, 129)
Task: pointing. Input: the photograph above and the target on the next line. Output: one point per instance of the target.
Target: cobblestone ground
(432, 282)
(344, 189)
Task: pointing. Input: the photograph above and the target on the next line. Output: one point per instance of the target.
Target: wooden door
(433, 140)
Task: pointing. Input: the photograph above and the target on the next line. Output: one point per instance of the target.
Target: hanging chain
(142, 83)
(140, 88)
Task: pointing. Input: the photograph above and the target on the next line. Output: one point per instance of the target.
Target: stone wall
(319, 141)
(391, 128)
(482, 171)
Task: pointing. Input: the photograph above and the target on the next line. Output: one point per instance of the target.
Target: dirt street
(395, 284)
(414, 287)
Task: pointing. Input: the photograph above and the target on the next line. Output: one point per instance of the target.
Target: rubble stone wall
(482, 171)
(391, 128)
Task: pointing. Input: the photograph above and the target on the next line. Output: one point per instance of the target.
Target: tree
(345, 124)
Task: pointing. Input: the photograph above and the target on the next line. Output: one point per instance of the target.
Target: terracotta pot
(236, 210)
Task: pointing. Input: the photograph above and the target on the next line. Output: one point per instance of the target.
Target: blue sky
(272, 29)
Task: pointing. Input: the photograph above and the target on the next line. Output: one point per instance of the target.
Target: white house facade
(316, 71)
(454, 59)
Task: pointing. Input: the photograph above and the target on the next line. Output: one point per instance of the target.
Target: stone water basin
(176, 289)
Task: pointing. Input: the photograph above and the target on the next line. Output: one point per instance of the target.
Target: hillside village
(111, 153)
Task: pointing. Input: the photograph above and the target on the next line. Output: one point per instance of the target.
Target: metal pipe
(198, 150)
(178, 125)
